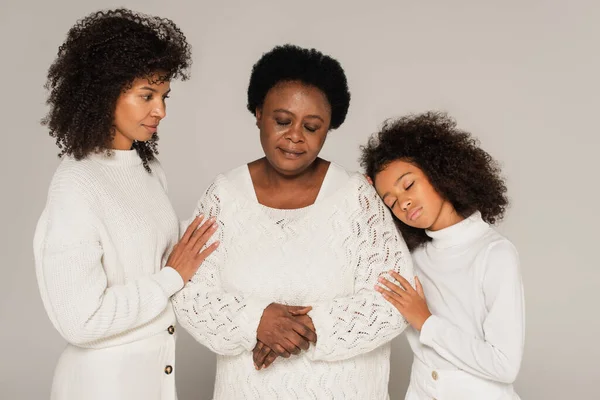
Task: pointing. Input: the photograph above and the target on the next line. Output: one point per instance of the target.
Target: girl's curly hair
(101, 57)
(459, 170)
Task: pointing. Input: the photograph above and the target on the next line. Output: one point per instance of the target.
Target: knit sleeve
(223, 321)
(72, 282)
(348, 326)
(498, 355)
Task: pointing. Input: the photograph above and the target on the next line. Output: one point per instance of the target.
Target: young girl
(467, 312)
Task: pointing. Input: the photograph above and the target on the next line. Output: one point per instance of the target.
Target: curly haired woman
(467, 310)
(102, 241)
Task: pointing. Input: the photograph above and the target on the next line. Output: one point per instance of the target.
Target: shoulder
(350, 191)
(499, 255)
(223, 187)
(498, 245)
(347, 182)
(69, 168)
(361, 202)
(237, 176)
(360, 192)
(73, 193)
(74, 179)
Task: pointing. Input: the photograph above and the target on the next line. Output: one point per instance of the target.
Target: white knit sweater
(99, 247)
(328, 256)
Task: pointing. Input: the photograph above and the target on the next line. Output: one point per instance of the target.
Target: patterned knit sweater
(328, 256)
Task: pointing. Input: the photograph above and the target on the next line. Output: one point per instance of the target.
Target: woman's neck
(270, 177)
(278, 190)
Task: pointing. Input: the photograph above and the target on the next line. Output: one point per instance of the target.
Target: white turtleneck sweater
(328, 256)
(471, 346)
(100, 247)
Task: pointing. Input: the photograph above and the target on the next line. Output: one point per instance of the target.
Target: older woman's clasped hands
(283, 331)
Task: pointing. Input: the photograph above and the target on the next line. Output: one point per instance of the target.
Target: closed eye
(282, 123)
(390, 206)
(409, 186)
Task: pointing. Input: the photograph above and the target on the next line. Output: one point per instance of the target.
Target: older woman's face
(293, 123)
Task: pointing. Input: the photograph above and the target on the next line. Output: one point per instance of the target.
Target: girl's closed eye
(409, 186)
(282, 122)
(311, 128)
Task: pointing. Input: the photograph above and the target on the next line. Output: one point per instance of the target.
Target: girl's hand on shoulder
(408, 301)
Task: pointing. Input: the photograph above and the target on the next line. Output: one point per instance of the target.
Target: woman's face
(139, 110)
(406, 190)
(293, 123)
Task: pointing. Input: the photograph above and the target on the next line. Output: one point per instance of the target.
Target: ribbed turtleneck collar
(119, 158)
(458, 234)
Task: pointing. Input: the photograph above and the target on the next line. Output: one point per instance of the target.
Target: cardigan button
(171, 330)
(168, 370)
(434, 375)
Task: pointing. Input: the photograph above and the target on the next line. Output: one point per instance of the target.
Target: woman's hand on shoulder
(186, 256)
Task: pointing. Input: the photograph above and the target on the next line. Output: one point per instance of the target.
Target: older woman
(302, 244)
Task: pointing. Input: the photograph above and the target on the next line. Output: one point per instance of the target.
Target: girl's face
(293, 123)
(139, 110)
(406, 190)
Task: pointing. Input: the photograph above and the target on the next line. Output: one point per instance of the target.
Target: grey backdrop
(521, 75)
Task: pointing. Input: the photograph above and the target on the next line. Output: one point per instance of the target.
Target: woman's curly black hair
(459, 170)
(101, 57)
(309, 66)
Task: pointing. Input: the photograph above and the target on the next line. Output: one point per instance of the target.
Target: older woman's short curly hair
(459, 170)
(101, 57)
(309, 66)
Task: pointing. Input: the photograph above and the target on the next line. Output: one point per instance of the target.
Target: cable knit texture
(99, 247)
(327, 255)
